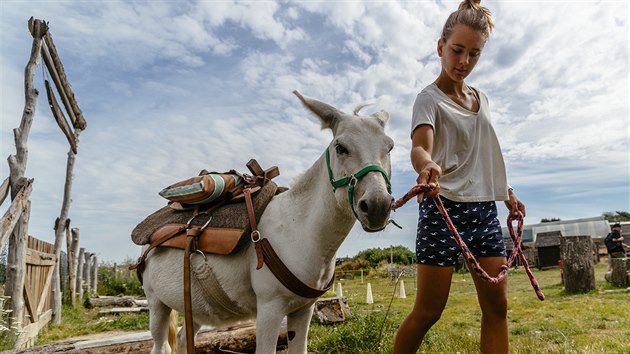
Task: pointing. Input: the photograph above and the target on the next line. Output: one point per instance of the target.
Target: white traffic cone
(339, 291)
(402, 290)
(368, 297)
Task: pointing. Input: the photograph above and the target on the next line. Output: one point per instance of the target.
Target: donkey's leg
(158, 324)
(268, 321)
(181, 336)
(298, 323)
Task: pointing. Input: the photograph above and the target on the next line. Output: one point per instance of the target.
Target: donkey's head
(358, 161)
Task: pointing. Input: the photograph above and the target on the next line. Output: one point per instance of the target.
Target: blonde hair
(472, 14)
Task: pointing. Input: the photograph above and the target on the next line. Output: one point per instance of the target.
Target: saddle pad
(212, 240)
(232, 215)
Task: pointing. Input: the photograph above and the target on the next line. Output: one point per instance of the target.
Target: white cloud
(169, 88)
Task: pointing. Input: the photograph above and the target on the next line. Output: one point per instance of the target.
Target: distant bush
(120, 282)
(374, 256)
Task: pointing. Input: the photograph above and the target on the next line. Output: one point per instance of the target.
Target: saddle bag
(207, 188)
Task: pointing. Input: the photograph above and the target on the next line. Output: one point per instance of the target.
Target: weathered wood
(238, 339)
(577, 264)
(119, 310)
(4, 190)
(331, 310)
(12, 215)
(110, 301)
(72, 108)
(80, 260)
(60, 234)
(94, 276)
(59, 117)
(619, 274)
(28, 334)
(14, 286)
(87, 274)
(73, 262)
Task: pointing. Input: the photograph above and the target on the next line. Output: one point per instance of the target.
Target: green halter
(352, 180)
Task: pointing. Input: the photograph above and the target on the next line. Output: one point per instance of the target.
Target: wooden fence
(40, 262)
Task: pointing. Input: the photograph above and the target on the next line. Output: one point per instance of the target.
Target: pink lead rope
(470, 259)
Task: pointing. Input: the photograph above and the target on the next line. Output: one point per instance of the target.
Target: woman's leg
(493, 302)
(434, 284)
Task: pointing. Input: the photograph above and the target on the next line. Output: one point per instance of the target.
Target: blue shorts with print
(476, 223)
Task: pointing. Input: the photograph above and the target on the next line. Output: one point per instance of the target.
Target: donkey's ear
(382, 117)
(328, 115)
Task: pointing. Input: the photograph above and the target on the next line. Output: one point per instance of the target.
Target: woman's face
(461, 51)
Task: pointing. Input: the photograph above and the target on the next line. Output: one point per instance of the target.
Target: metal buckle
(353, 181)
(255, 235)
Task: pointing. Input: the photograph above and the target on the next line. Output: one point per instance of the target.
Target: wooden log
(81, 259)
(12, 215)
(119, 310)
(577, 264)
(238, 339)
(87, 274)
(94, 273)
(73, 262)
(4, 190)
(57, 72)
(619, 274)
(17, 166)
(110, 301)
(59, 117)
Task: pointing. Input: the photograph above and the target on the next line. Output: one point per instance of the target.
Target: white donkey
(305, 225)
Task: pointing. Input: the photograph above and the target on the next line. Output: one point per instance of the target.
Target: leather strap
(191, 234)
(265, 253)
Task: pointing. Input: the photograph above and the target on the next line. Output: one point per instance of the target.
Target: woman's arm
(421, 148)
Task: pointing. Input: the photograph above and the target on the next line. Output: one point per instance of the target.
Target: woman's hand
(514, 205)
(430, 174)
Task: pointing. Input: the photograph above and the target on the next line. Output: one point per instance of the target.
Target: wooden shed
(548, 249)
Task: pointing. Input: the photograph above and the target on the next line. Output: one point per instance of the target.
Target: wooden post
(87, 273)
(577, 263)
(619, 274)
(94, 272)
(80, 259)
(17, 166)
(72, 249)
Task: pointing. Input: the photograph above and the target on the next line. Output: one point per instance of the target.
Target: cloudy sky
(172, 87)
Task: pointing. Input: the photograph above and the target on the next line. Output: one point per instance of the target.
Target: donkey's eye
(341, 149)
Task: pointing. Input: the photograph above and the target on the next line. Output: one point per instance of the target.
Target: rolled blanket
(232, 215)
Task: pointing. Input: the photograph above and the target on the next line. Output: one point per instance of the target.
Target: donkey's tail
(172, 332)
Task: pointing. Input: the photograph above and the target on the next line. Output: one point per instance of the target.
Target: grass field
(583, 323)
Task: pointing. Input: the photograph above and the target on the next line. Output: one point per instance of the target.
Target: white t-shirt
(465, 146)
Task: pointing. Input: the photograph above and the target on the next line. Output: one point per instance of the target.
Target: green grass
(583, 323)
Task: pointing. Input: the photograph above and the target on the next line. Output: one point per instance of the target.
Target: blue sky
(172, 87)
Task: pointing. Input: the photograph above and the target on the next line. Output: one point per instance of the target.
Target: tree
(399, 255)
(548, 220)
(620, 216)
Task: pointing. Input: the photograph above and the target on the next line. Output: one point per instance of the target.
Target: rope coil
(517, 236)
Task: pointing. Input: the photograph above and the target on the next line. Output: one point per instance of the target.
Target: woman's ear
(440, 46)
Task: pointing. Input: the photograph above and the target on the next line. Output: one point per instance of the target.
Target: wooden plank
(28, 299)
(59, 117)
(38, 258)
(27, 335)
(45, 291)
(4, 190)
(62, 83)
(12, 215)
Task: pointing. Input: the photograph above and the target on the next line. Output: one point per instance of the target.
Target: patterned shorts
(476, 223)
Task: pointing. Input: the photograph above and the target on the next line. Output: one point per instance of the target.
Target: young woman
(453, 142)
